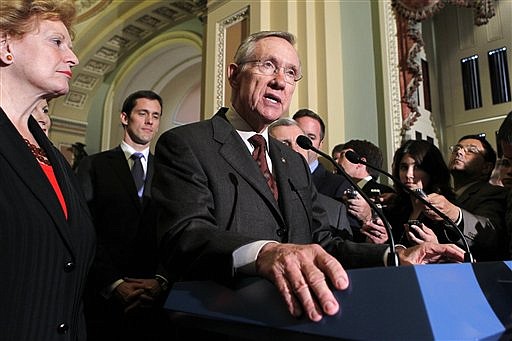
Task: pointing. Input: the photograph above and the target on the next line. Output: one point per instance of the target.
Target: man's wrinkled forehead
(276, 49)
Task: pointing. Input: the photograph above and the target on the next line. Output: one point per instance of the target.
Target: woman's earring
(9, 57)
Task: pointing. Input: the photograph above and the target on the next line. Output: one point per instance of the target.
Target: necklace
(39, 153)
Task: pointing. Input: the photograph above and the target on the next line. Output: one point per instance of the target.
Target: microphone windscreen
(352, 156)
(304, 142)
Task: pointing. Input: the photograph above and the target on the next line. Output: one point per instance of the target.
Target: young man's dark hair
(370, 152)
(131, 101)
(309, 113)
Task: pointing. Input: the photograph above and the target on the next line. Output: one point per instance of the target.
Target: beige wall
(319, 90)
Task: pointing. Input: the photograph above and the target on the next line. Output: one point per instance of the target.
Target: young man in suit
(126, 285)
(221, 215)
(366, 179)
(326, 182)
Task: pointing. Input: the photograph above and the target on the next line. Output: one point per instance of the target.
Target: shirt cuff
(459, 219)
(107, 291)
(388, 250)
(244, 258)
(162, 277)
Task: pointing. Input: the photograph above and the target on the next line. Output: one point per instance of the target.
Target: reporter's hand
(428, 252)
(300, 273)
(374, 231)
(442, 204)
(420, 234)
(387, 198)
(359, 208)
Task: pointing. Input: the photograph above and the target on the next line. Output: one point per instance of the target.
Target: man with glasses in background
(479, 208)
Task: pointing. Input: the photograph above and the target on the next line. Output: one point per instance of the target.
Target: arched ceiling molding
(166, 56)
(187, 107)
(109, 33)
(178, 68)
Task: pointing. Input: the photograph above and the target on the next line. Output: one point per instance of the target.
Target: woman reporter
(419, 165)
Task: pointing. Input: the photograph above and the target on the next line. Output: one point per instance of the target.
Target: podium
(421, 302)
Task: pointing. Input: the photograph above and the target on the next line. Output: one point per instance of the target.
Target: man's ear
(124, 118)
(233, 72)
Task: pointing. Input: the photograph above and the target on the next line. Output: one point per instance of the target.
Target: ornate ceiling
(108, 31)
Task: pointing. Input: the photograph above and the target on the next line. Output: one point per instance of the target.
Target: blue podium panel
(423, 302)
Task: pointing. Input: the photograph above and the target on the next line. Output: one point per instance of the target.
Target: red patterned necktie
(258, 155)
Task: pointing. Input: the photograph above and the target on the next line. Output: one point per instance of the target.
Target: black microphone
(354, 158)
(305, 143)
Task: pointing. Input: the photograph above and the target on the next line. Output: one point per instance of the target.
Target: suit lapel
(285, 182)
(15, 151)
(121, 169)
(233, 151)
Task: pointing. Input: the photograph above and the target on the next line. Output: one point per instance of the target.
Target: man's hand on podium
(429, 252)
(300, 273)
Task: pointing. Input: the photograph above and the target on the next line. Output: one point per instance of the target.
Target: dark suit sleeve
(337, 214)
(483, 223)
(350, 254)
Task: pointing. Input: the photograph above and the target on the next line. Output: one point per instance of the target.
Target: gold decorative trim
(394, 76)
(220, 61)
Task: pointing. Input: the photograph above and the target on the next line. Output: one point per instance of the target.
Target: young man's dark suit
(328, 183)
(337, 216)
(126, 229)
(215, 200)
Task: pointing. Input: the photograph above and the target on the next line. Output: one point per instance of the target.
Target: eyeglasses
(267, 68)
(469, 149)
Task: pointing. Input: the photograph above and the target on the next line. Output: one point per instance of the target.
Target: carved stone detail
(221, 51)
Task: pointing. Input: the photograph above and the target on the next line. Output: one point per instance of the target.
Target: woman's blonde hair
(18, 17)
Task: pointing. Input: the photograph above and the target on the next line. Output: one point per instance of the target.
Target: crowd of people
(91, 253)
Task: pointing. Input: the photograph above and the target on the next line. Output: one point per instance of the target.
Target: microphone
(420, 195)
(305, 143)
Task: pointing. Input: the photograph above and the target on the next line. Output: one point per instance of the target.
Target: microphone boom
(305, 143)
